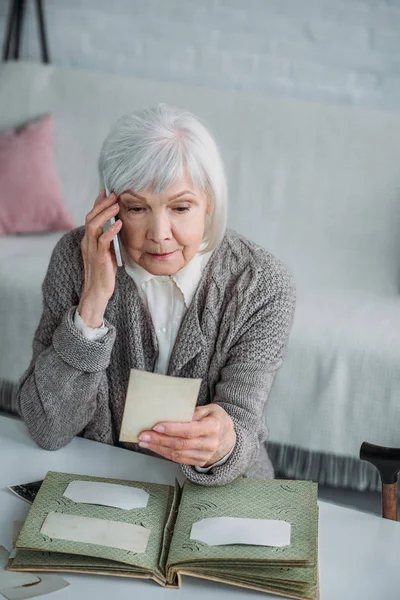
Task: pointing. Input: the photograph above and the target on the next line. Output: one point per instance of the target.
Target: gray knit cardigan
(233, 337)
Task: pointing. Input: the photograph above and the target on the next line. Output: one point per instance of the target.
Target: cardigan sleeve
(252, 362)
(58, 394)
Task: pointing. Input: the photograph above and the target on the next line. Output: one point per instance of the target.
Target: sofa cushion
(30, 192)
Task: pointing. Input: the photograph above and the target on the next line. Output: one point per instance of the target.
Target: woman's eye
(181, 209)
(136, 209)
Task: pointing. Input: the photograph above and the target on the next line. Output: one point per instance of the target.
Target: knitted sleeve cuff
(73, 348)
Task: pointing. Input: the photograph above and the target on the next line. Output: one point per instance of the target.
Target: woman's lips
(162, 256)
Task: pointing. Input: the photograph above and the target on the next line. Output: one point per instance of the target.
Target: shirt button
(162, 330)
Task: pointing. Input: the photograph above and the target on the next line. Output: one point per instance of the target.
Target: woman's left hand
(202, 442)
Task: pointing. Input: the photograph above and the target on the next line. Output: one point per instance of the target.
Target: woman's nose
(159, 229)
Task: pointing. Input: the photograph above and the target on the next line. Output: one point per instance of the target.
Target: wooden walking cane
(387, 461)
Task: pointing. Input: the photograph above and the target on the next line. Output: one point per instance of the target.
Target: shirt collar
(186, 279)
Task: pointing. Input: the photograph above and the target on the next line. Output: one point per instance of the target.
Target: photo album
(253, 533)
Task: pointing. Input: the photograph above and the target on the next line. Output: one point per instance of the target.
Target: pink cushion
(30, 191)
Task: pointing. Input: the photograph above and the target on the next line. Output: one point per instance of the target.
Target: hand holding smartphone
(99, 265)
(116, 241)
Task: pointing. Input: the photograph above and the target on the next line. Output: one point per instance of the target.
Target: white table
(359, 552)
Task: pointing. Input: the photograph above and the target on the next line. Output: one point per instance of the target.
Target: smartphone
(116, 242)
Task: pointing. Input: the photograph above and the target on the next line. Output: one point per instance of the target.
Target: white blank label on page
(113, 534)
(218, 531)
(106, 494)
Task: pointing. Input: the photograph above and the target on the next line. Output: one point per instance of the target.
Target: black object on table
(26, 491)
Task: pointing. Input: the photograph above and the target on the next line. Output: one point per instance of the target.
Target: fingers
(106, 238)
(102, 201)
(95, 223)
(97, 250)
(94, 226)
(184, 442)
(205, 443)
(203, 411)
(205, 425)
(192, 443)
(196, 458)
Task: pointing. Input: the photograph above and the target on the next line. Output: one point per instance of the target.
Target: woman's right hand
(99, 259)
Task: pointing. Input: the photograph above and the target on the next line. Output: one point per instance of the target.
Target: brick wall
(336, 51)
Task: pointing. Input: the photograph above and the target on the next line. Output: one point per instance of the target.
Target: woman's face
(163, 232)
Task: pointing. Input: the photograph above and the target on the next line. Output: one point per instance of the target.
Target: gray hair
(151, 148)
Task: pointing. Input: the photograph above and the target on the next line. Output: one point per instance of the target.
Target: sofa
(316, 185)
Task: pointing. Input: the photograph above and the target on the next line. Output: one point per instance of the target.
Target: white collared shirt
(167, 299)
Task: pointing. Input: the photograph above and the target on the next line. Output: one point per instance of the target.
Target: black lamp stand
(15, 22)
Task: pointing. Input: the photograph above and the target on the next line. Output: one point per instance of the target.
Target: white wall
(338, 51)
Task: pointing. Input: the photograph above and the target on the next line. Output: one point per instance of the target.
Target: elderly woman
(192, 300)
